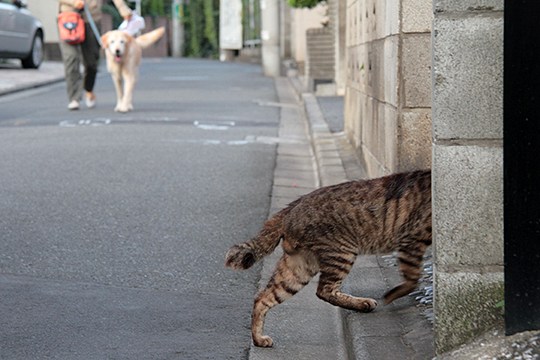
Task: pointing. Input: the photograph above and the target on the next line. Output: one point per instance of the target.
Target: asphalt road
(113, 227)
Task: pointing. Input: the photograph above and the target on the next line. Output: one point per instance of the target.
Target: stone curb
(330, 170)
(16, 89)
(330, 166)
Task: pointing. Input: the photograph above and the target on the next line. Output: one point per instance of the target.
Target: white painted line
(220, 126)
(85, 122)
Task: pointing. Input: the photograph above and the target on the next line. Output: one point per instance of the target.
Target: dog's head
(116, 43)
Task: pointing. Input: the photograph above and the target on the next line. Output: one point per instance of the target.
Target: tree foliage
(201, 19)
(156, 7)
(305, 3)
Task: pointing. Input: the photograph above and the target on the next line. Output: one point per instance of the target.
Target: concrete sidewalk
(304, 327)
(14, 78)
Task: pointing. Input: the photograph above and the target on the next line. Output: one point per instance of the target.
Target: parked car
(21, 34)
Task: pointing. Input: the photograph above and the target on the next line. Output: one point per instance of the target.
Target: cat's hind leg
(410, 259)
(334, 269)
(292, 273)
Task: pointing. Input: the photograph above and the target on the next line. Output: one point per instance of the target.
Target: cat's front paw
(369, 305)
(263, 341)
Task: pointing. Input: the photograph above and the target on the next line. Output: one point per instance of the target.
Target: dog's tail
(147, 39)
(244, 255)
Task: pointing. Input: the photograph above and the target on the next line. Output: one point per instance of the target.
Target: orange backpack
(71, 27)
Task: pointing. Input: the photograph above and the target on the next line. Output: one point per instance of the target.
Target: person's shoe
(90, 99)
(73, 105)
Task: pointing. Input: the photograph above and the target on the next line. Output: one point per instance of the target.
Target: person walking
(87, 52)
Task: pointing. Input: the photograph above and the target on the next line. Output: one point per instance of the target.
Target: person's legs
(71, 59)
(90, 54)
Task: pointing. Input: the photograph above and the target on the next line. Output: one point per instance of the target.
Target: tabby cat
(325, 230)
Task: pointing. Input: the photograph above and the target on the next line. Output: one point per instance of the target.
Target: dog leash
(92, 25)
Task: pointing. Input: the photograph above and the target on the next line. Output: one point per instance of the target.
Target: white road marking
(220, 126)
(85, 122)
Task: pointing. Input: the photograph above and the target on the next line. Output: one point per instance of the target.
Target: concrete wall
(388, 89)
(301, 20)
(46, 11)
(467, 168)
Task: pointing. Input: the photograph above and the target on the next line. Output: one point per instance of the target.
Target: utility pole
(177, 28)
(230, 28)
(270, 37)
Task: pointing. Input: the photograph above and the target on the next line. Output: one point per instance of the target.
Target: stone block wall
(388, 85)
(467, 168)
(319, 65)
(300, 21)
(424, 89)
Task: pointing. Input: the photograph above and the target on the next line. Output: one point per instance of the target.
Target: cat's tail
(243, 256)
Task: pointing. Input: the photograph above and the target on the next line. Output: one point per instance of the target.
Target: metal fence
(251, 23)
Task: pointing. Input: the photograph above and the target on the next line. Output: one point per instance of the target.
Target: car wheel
(35, 58)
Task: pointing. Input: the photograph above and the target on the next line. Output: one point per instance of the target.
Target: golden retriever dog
(124, 53)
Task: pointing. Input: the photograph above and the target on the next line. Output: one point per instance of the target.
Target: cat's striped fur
(326, 229)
